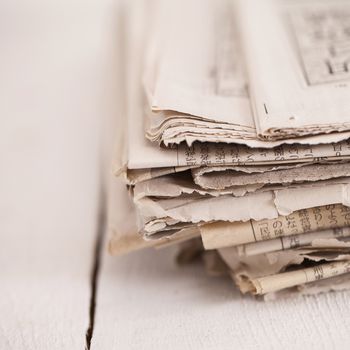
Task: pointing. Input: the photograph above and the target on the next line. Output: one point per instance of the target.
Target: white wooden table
(58, 102)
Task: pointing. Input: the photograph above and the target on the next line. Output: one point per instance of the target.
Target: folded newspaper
(235, 143)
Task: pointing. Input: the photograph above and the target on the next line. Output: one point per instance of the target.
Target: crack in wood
(100, 231)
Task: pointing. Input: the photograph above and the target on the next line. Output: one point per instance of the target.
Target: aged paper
(205, 89)
(158, 214)
(143, 154)
(184, 235)
(222, 234)
(203, 95)
(170, 186)
(244, 269)
(182, 188)
(124, 236)
(282, 207)
(122, 218)
(336, 283)
(297, 60)
(284, 280)
(219, 180)
(140, 153)
(290, 242)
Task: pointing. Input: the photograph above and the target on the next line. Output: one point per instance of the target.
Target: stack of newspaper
(236, 130)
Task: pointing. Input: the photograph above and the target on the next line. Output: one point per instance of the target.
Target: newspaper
(266, 264)
(183, 187)
(204, 89)
(203, 95)
(284, 280)
(144, 155)
(290, 242)
(122, 225)
(223, 234)
(182, 236)
(297, 59)
(237, 182)
(272, 268)
(262, 180)
(337, 283)
(122, 221)
(140, 153)
(217, 179)
(157, 214)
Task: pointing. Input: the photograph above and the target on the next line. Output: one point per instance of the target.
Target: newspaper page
(223, 234)
(143, 154)
(284, 280)
(290, 242)
(297, 56)
(245, 269)
(221, 179)
(182, 188)
(122, 221)
(206, 86)
(202, 95)
(123, 231)
(338, 283)
(162, 214)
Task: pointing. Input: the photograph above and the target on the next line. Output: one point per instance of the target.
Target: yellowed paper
(284, 280)
(193, 103)
(221, 179)
(122, 225)
(299, 80)
(222, 234)
(290, 242)
(244, 269)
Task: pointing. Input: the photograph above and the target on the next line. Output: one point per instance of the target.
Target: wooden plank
(56, 98)
(146, 302)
